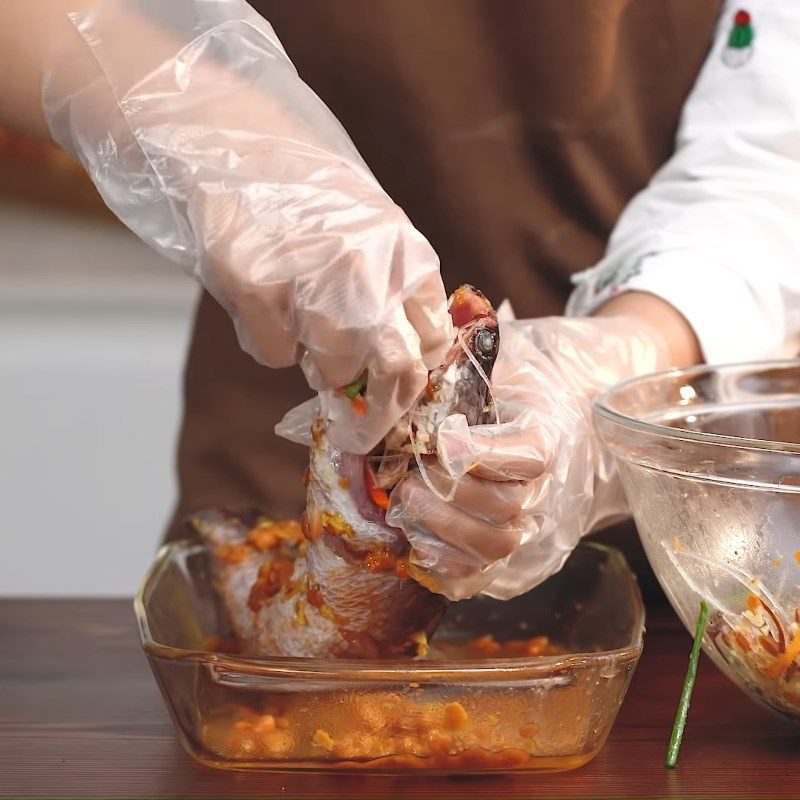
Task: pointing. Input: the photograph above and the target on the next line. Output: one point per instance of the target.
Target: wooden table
(80, 715)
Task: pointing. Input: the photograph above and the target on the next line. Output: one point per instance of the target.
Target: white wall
(93, 332)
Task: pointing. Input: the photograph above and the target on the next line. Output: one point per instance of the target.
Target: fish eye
(486, 341)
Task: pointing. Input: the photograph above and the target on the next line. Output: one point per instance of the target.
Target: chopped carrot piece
(359, 405)
(782, 663)
(485, 645)
(379, 497)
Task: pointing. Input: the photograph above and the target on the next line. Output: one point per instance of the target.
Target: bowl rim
(507, 668)
(603, 407)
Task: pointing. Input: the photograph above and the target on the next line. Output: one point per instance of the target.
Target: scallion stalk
(686, 694)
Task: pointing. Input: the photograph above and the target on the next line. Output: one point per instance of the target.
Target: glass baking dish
(445, 715)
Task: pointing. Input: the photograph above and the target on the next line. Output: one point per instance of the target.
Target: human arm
(28, 34)
(704, 265)
(200, 135)
(680, 340)
(715, 234)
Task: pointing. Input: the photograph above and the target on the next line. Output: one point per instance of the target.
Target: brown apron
(513, 134)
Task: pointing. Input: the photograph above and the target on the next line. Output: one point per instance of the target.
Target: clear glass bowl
(710, 461)
(537, 712)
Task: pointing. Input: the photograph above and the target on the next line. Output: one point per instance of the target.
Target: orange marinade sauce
(434, 735)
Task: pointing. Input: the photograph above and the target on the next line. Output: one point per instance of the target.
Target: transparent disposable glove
(197, 131)
(508, 502)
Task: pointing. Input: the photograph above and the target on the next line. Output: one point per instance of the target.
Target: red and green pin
(739, 48)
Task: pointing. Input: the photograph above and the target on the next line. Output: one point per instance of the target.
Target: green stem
(688, 685)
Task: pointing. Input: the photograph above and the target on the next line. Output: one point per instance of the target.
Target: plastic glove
(197, 131)
(510, 501)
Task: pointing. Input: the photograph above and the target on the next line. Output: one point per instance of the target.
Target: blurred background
(93, 331)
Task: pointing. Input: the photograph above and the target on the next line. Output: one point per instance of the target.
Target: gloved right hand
(202, 138)
(507, 502)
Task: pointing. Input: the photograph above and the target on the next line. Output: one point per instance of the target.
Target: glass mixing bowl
(710, 462)
(548, 709)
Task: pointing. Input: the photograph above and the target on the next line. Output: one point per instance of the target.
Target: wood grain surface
(80, 715)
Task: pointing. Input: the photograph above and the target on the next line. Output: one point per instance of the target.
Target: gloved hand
(196, 129)
(510, 501)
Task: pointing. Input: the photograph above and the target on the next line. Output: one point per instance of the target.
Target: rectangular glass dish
(550, 708)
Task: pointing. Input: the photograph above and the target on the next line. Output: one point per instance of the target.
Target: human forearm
(679, 337)
(28, 34)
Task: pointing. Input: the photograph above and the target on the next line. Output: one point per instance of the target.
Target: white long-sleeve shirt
(716, 233)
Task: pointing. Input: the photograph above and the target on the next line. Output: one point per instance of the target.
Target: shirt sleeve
(716, 233)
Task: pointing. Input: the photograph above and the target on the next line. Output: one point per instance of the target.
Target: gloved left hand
(200, 135)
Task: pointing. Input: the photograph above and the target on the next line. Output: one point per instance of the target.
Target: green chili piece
(355, 388)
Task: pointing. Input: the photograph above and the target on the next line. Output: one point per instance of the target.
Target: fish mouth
(475, 322)
(475, 352)
(468, 304)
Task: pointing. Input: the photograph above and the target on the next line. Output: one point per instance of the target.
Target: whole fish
(339, 583)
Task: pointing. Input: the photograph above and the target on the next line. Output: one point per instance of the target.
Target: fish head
(473, 355)
(461, 384)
